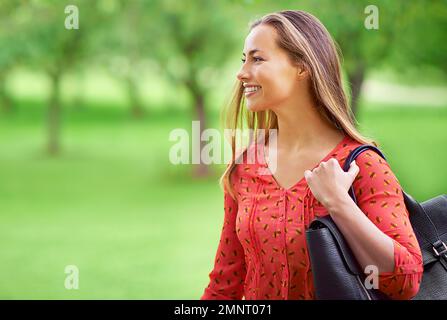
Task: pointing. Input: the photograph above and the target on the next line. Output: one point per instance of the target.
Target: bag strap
(421, 221)
(352, 156)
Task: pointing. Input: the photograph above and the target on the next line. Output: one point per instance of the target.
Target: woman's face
(269, 77)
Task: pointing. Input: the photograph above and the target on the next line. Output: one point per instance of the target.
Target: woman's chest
(272, 217)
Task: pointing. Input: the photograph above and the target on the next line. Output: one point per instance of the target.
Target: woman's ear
(302, 71)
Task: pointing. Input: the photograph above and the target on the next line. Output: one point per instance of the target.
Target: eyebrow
(251, 52)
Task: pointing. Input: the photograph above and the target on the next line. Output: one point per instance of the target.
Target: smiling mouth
(249, 91)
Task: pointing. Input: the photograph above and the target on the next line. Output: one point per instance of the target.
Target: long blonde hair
(307, 41)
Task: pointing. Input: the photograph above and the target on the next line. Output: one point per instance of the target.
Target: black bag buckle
(441, 245)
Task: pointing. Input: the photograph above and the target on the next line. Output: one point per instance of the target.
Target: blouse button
(281, 219)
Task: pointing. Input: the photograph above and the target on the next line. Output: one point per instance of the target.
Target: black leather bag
(336, 272)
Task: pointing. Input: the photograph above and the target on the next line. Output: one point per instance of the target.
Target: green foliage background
(95, 188)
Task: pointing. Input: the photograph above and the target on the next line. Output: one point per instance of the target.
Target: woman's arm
(370, 245)
(228, 275)
(378, 229)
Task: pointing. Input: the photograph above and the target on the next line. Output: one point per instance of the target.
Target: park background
(85, 116)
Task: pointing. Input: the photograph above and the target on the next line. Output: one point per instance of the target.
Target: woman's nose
(242, 74)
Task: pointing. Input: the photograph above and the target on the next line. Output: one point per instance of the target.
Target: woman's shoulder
(369, 161)
(344, 148)
(375, 171)
(348, 145)
(368, 157)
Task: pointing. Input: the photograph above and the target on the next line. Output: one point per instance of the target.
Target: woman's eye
(256, 59)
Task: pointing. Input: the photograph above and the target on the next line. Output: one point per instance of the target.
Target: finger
(354, 169)
(334, 162)
(307, 174)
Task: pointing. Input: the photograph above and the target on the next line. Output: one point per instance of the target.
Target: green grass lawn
(135, 226)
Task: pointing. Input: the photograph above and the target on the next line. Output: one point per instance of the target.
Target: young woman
(290, 81)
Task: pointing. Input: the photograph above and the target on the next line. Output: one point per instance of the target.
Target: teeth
(251, 89)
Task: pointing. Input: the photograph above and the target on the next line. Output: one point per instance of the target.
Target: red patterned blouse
(262, 252)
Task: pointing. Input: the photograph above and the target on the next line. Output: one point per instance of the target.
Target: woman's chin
(254, 107)
(250, 108)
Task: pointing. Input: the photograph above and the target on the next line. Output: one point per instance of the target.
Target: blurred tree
(193, 40)
(13, 46)
(422, 41)
(132, 34)
(362, 49)
(125, 44)
(58, 50)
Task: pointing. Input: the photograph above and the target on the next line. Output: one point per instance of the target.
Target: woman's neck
(303, 128)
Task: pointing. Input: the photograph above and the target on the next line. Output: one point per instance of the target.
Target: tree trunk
(356, 79)
(135, 105)
(5, 100)
(201, 169)
(79, 100)
(53, 146)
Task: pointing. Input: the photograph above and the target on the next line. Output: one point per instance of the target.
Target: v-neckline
(345, 138)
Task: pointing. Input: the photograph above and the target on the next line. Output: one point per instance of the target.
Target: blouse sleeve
(228, 275)
(380, 197)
